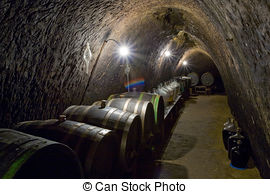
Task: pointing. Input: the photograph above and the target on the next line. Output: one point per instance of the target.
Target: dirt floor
(195, 148)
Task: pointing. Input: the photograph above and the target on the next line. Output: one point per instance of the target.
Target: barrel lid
(194, 78)
(207, 79)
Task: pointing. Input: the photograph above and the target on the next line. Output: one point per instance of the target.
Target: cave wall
(245, 70)
(42, 44)
(41, 51)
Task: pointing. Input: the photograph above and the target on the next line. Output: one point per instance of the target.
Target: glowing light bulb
(124, 51)
(185, 63)
(167, 53)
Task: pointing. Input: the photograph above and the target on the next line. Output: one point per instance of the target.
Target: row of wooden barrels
(171, 89)
(97, 141)
(206, 79)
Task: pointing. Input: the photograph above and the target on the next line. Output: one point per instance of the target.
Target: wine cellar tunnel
(55, 54)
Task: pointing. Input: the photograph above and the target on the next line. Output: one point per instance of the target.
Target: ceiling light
(185, 63)
(167, 53)
(124, 51)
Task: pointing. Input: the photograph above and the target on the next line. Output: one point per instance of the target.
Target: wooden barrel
(207, 79)
(174, 84)
(161, 91)
(187, 84)
(140, 107)
(127, 125)
(170, 91)
(181, 83)
(96, 147)
(157, 102)
(194, 78)
(26, 156)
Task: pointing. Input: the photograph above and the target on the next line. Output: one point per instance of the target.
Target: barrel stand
(202, 90)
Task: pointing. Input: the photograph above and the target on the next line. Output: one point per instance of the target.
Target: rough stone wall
(41, 52)
(245, 27)
(42, 42)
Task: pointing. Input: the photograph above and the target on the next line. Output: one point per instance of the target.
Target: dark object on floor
(239, 155)
(228, 130)
(238, 140)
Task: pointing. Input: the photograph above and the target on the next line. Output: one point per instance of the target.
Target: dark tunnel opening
(198, 61)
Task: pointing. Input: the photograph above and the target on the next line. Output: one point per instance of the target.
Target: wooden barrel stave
(86, 140)
(157, 102)
(26, 156)
(124, 123)
(140, 107)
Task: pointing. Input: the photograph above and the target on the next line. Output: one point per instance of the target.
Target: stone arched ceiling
(43, 42)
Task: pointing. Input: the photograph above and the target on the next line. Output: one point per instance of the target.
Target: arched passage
(43, 70)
